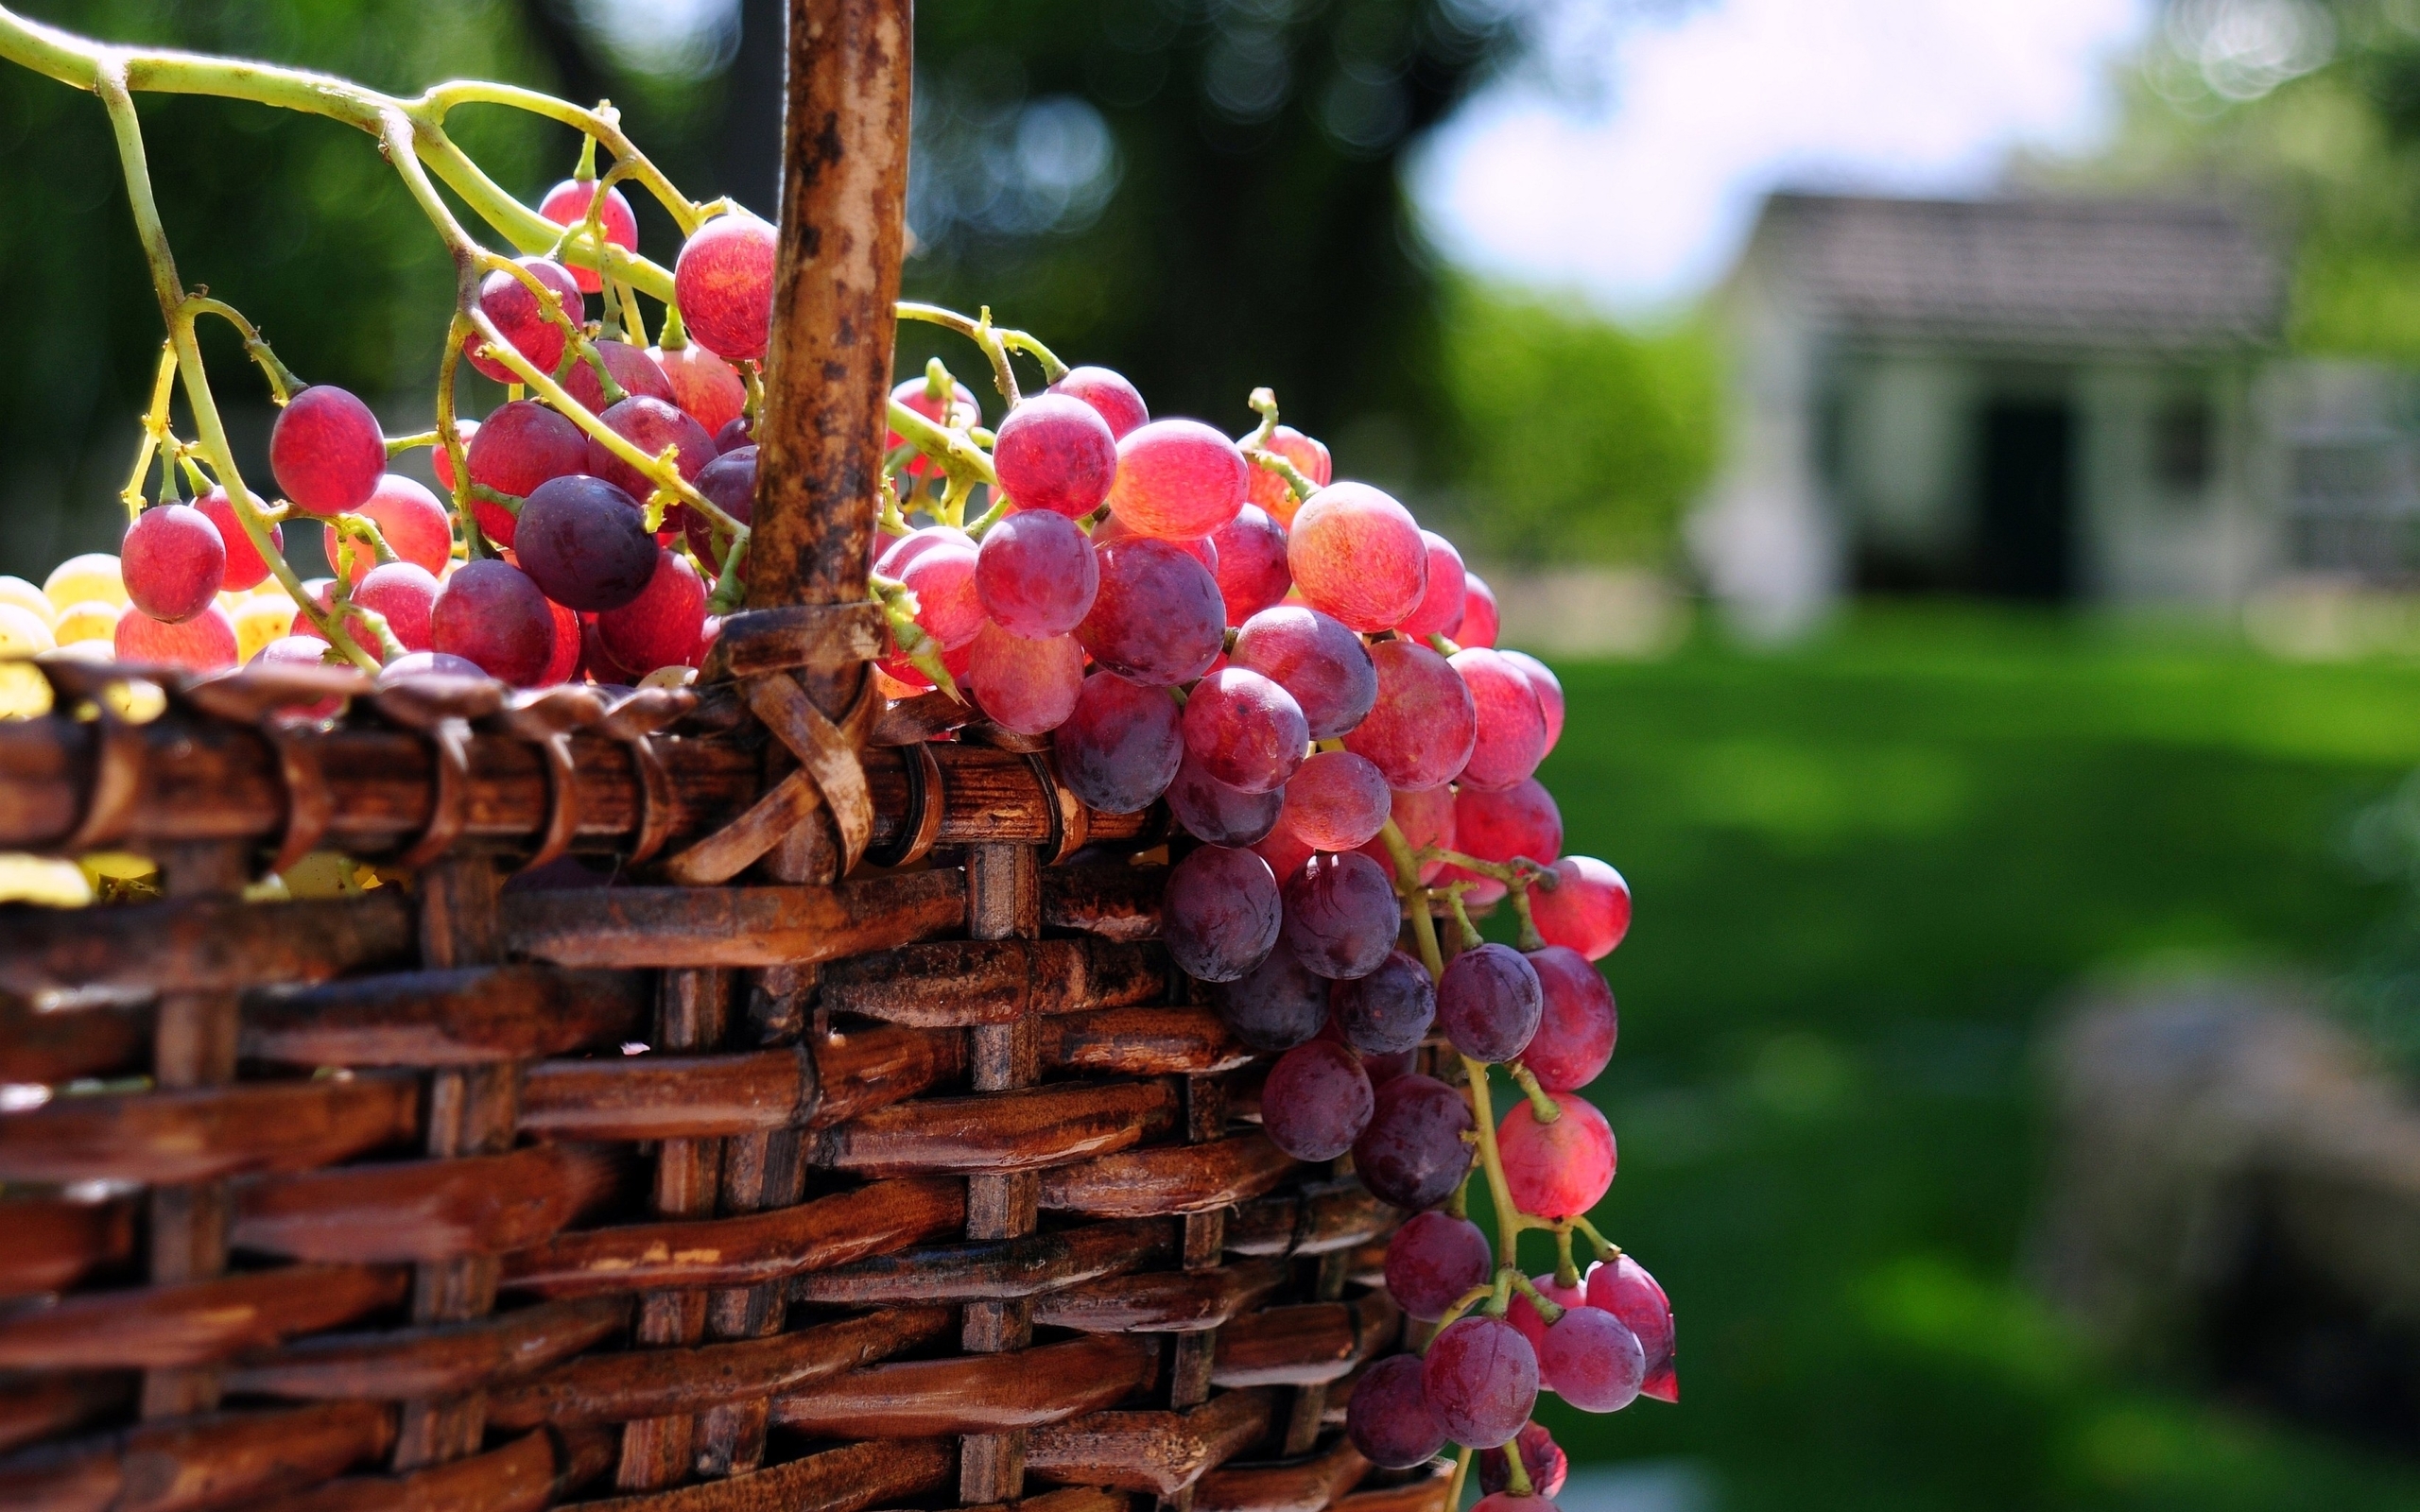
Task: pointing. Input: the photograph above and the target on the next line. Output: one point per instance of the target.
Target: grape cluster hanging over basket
(773, 946)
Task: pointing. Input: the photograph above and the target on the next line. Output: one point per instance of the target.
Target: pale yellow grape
(27, 596)
(34, 880)
(95, 575)
(259, 620)
(134, 700)
(25, 693)
(116, 866)
(23, 632)
(93, 620)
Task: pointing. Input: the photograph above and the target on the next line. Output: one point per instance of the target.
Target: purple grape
(1341, 918)
(1488, 1002)
(1482, 1379)
(1622, 1287)
(1121, 746)
(1250, 563)
(585, 543)
(1035, 573)
(1413, 1154)
(1245, 729)
(1387, 1417)
(1433, 1260)
(1311, 655)
(1592, 1360)
(1576, 1023)
(1212, 811)
(1390, 1009)
(1276, 1006)
(1315, 1101)
(1157, 617)
(730, 482)
(1219, 915)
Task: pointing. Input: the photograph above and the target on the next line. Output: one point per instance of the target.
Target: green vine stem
(996, 344)
(1256, 446)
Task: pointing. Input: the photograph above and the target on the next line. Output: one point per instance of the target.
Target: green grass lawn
(1865, 875)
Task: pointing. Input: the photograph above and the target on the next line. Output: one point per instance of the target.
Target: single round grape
(730, 482)
(1110, 395)
(440, 461)
(205, 641)
(1510, 737)
(1177, 480)
(326, 451)
(245, 568)
(403, 593)
(1433, 1260)
(1157, 617)
(633, 369)
(1482, 1379)
(1425, 819)
(1540, 1456)
(1415, 1151)
(411, 520)
(706, 387)
(1577, 1022)
(1276, 1006)
(1488, 1002)
(1523, 1315)
(1479, 619)
(1250, 563)
(520, 446)
(723, 282)
(427, 664)
(1622, 1287)
(1315, 1101)
(1587, 908)
(1547, 686)
(649, 424)
(1025, 685)
(1336, 801)
(1440, 609)
(1054, 452)
(1269, 489)
(1325, 666)
(900, 553)
(1220, 914)
(1390, 1009)
(1035, 573)
(1213, 811)
(522, 321)
(949, 607)
(1592, 1360)
(659, 628)
(566, 204)
(1341, 916)
(1522, 820)
(1557, 1169)
(1245, 729)
(1388, 1416)
(174, 561)
(489, 612)
(1424, 724)
(1357, 553)
(585, 543)
(1121, 745)
(93, 576)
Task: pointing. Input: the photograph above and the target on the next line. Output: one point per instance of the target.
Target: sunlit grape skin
(1622, 1287)
(567, 204)
(1549, 691)
(403, 593)
(585, 543)
(1157, 617)
(1388, 1010)
(1388, 1416)
(1054, 452)
(940, 573)
(723, 280)
(649, 424)
(1488, 1002)
(730, 482)
(1269, 489)
(1336, 801)
(706, 385)
(1357, 554)
(521, 318)
(1212, 811)
(1587, 908)
(1510, 728)
(1220, 914)
(173, 561)
(1423, 727)
(1341, 916)
(632, 370)
(660, 626)
(1177, 480)
(1557, 1170)
(1521, 821)
(1433, 1260)
(411, 520)
(1250, 563)
(1244, 729)
(1592, 1360)
(204, 643)
(1026, 685)
(1315, 1101)
(1110, 395)
(489, 612)
(518, 447)
(1121, 745)
(1325, 666)
(1035, 573)
(1440, 609)
(326, 451)
(1276, 1006)
(1415, 1151)
(245, 567)
(1479, 619)
(1481, 1380)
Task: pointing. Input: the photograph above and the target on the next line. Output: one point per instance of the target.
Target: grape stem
(1541, 1106)
(1606, 1248)
(1256, 446)
(155, 431)
(996, 344)
(1550, 1311)
(899, 606)
(1459, 1479)
(1565, 1272)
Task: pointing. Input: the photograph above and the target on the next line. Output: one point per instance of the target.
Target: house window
(2185, 445)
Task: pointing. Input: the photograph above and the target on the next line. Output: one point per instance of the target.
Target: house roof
(2028, 272)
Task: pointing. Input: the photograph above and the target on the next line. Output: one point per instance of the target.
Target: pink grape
(1523, 1315)
(491, 614)
(245, 568)
(1035, 573)
(173, 561)
(1388, 1416)
(649, 424)
(1110, 395)
(1025, 685)
(566, 204)
(1121, 746)
(1200, 550)
(1587, 908)
(1433, 1260)
(1557, 1169)
(1390, 1009)
(1488, 1002)
(427, 664)
(1547, 686)
(1315, 1101)
(949, 607)
(585, 543)
(319, 590)
(1220, 913)
(1357, 554)
(1250, 563)
(1423, 727)
(326, 451)
(1622, 1287)
(1440, 609)
(1577, 1022)
(1213, 811)
(517, 448)
(1511, 729)
(1276, 1006)
(1342, 917)
(440, 461)
(1156, 618)
(896, 557)
(1327, 669)
(403, 593)
(1481, 1378)
(204, 643)
(633, 369)
(1054, 452)
(723, 282)
(659, 628)
(1336, 802)
(706, 387)
(1415, 1151)
(1479, 619)
(1592, 1360)
(1522, 820)
(411, 520)
(1425, 819)
(1269, 489)
(1245, 731)
(522, 320)
(1177, 480)
(1540, 1456)
(730, 482)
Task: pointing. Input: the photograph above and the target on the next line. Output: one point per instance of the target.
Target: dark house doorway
(2025, 540)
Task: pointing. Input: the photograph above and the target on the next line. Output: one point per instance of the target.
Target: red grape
(730, 481)
(517, 448)
(1110, 528)
(1315, 1101)
(1388, 1416)
(1481, 1378)
(649, 424)
(403, 594)
(245, 568)
(1177, 480)
(1557, 1169)
(1479, 621)
(566, 204)
(1587, 908)
(1425, 819)
(326, 451)
(1212, 811)
(1283, 850)
(1415, 1151)
(173, 561)
(1054, 452)
(1510, 728)
(1121, 746)
(723, 282)
(940, 573)
(1433, 1260)
(916, 393)
(1245, 731)
(633, 369)
(1522, 820)
(562, 661)
(1441, 603)
(1035, 573)
(1250, 561)
(522, 320)
(1523, 1314)
(1270, 490)
(413, 523)
(1547, 686)
(1622, 1287)
(1357, 553)
(706, 385)
(1424, 724)
(1577, 1022)
(1110, 395)
(734, 431)
(659, 628)
(489, 612)
(204, 642)
(1488, 1002)
(585, 543)
(1220, 913)
(1336, 802)
(598, 663)
(1390, 1009)
(1157, 618)
(440, 461)
(1592, 1360)
(1540, 1455)
(1325, 666)
(1026, 685)
(1341, 918)
(320, 591)
(1276, 1006)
